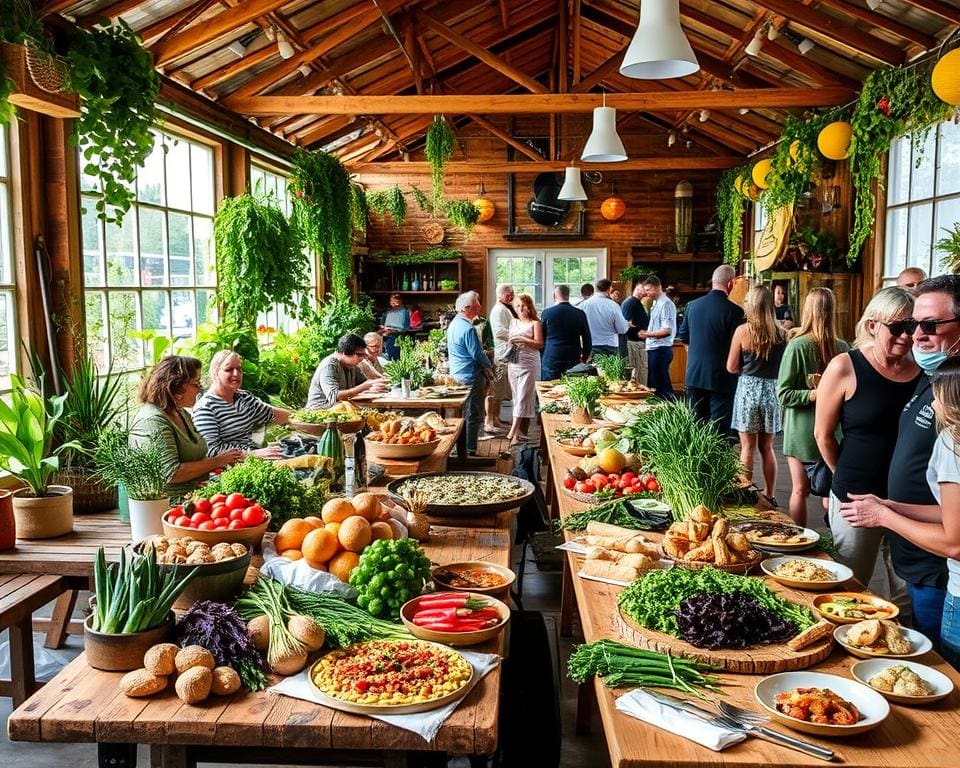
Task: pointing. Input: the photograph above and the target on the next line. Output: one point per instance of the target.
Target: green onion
(615, 512)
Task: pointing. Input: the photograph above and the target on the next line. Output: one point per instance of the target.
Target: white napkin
(641, 705)
(425, 724)
(299, 573)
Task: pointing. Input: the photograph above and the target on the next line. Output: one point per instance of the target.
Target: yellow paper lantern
(760, 171)
(738, 185)
(834, 140)
(751, 191)
(945, 78)
(486, 207)
(613, 208)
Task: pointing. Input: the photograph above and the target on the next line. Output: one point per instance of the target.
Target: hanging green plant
(260, 259)
(19, 24)
(730, 207)
(632, 274)
(439, 149)
(794, 163)
(118, 88)
(423, 202)
(894, 101)
(359, 208)
(418, 257)
(389, 201)
(320, 186)
(463, 214)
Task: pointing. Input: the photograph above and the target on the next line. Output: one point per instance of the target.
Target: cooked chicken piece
(676, 547)
(738, 542)
(720, 528)
(864, 633)
(697, 531)
(721, 556)
(704, 552)
(678, 529)
(894, 638)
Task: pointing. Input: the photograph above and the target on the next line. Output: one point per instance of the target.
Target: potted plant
(27, 425)
(584, 392)
(949, 246)
(142, 471)
(612, 367)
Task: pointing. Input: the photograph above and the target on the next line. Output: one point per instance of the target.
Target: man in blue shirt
(469, 364)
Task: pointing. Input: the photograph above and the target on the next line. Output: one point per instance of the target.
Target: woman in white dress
(526, 334)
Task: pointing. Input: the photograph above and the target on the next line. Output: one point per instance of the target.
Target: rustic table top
(85, 705)
(435, 462)
(452, 402)
(909, 737)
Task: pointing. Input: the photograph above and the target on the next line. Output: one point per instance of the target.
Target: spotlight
(688, 143)
(304, 69)
(806, 45)
(754, 46)
(772, 32)
(237, 48)
(704, 115)
(874, 4)
(671, 139)
(283, 45)
(743, 110)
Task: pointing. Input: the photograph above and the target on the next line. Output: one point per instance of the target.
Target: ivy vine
(463, 214)
(790, 176)
(423, 202)
(118, 88)
(389, 201)
(439, 149)
(419, 257)
(730, 207)
(359, 208)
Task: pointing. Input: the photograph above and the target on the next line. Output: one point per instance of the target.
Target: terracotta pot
(8, 526)
(43, 517)
(121, 653)
(580, 416)
(145, 517)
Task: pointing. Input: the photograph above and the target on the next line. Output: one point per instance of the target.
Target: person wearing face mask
(936, 337)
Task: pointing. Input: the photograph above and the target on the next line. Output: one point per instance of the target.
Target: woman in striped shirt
(227, 416)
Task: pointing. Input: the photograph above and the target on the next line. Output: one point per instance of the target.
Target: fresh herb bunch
(584, 391)
(221, 630)
(693, 462)
(623, 665)
(344, 623)
(612, 367)
(420, 257)
(439, 149)
(260, 259)
(321, 331)
(617, 512)
(407, 366)
(554, 407)
(137, 595)
(389, 573)
(730, 206)
(389, 201)
(653, 600)
(269, 598)
(273, 487)
(118, 87)
(143, 470)
(463, 214)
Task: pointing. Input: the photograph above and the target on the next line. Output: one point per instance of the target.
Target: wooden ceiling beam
(321, 130)
(490, 59)
(880, 21)
(113, 11)
(842, 32)
(937, 8)
(539, 103)
(505, 137)
(412, 129)
(159, 28)
(196, 36)
(413, 50)
(673, 163)
(563, 43)
(596, 77)
(225, 72)
(55, 6)
(577, 34)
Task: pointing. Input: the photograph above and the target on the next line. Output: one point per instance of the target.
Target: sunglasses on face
(909, 326)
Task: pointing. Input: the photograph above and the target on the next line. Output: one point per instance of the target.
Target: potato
(226, 681)
(194, 656)
(193, 686)
(160, 659)
(141, 682)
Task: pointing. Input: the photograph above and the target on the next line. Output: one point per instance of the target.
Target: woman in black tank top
(863, 393)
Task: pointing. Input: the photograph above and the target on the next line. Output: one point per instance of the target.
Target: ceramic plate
(886, 609)
(810, 537)
(841, 573)
(919, 644)
(941, 684)
(872, 706)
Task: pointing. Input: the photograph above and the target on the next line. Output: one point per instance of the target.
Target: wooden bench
(20, 595)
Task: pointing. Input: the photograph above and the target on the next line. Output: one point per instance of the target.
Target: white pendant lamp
(604, 145)
(572, 188)
(659, 48)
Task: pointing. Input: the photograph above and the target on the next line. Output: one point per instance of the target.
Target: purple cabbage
(730, 620)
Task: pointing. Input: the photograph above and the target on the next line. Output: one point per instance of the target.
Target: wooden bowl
(249, 536)
(122, 652)
(697, 565)
(890, 609)
(455, 638)
(380, 450)
(221, 581)
(575, 450)
(942, 685)
(468, 565)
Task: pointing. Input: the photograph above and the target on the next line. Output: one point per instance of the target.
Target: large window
(264, 182)
(537, 271)
(923, 198)
(154, 275)
(8, 292)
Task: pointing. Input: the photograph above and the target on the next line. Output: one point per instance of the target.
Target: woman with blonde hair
(526, 333)
(863, 392)
(812, 345)
(755, 353)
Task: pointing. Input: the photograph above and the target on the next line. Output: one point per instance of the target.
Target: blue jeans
(950, 630)
(927, 606)
(473, 411)
(658, 371)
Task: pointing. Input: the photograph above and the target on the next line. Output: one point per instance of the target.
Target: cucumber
(331, 446)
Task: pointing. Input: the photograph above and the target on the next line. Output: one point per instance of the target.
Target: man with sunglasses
(339, 376)
(936, 336)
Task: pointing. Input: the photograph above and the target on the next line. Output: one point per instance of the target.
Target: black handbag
(820, 477)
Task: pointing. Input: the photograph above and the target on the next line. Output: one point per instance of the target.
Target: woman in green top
(812, 345)
(165, 392)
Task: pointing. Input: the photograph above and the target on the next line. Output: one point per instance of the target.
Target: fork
(739, 713)
(776, 737)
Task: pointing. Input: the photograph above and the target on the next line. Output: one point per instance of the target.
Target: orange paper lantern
(486, 207)
(760, 171)
(613, 208)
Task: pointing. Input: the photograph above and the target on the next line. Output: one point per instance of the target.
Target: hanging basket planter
(48, 73)
(38, 81)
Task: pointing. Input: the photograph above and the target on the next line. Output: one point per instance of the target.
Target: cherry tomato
(236, 501)
(220, 511)
(600, 481)
(253, 515)
(569, 482)
(175, 512)
(198, 518)
(653, 485)
(202, 505)
(236, 525)
(588, 487)
(630, 490)
(207, 526)
(613, 479)
(638, 483)
(236, 514)
(628, 476)
(183, 521)
(221, 522)
(218, 498)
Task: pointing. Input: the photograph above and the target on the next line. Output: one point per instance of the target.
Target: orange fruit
(291, 534)
(334, 528)
(367, 505)
(316, 522)
(316, 565)
(319, 545)
(292, 554)
(341, 565)
(381, 530)
(337, 510)
(355, 533)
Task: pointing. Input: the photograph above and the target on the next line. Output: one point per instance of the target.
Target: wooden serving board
(760, 660)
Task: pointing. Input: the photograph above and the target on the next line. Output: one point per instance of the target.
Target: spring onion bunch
(623, 665)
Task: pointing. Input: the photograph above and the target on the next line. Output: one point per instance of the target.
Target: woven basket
(89, 494)
(48, 72)
(698, 565)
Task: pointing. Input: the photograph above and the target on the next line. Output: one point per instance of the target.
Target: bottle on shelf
(404, 283)
(425, 283)
(415, 285)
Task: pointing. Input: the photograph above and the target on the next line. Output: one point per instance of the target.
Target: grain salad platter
(464, 493)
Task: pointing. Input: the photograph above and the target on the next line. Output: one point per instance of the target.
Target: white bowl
(919, 644)
(941, 684)
(871, 704)
(840, 572)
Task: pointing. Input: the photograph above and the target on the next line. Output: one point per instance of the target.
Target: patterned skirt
(755, 406)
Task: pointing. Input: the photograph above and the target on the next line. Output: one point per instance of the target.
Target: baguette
(605, 529)
(621, 543)
(809, 636)
(599, 553)
(604, 569)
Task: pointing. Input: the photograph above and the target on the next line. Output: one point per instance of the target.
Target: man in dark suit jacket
(566, 336)
(707, 328)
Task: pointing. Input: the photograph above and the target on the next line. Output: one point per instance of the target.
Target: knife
(723, 721)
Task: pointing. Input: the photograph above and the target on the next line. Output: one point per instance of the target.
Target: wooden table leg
(59, 626)
(168, 756)
(22, 681)
(566, 600)
(586, 703)
(117, 755)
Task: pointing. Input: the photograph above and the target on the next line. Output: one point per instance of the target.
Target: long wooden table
(435, 462)
(82, 704)
(911, 737)
(449, 407)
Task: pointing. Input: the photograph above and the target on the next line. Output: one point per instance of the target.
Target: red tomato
(629, 475)
(653, 485)
(221, 522)
(202, 505)
(622, 484)
(236, 514)
(198, 518)
(614, 478)
(569, 482)
(236, 501)
(236, 525)
(182, 521)
(253, 515)
(220, 511)
(630, 490)
(175, 512)
(207, 526)
(218, 498)
(638, 483)
(599, 480)
(588, 487)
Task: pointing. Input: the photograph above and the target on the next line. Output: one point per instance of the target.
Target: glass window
(923, 199)
(8, 289)
(151, 275)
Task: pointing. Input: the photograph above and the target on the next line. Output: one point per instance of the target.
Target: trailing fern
(439, 149)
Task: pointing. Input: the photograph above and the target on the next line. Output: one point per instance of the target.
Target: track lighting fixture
(671, 139)
(755, 45)
(806, 45)
(874, 4)
(704, 115)
(237, 48)
(283, 45)
(304, 69)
